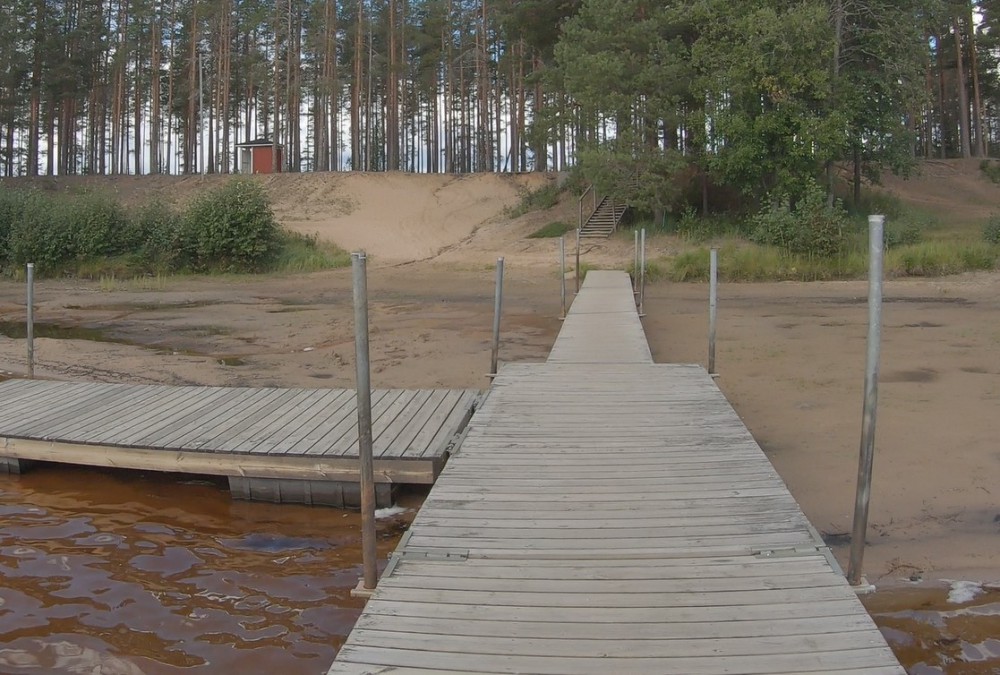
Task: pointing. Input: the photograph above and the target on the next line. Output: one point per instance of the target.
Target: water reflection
(129, 573)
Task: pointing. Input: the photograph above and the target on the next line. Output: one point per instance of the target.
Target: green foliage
(554, 229)
(543, 198)
(232, 228)
(97, 225)
(655, 271)
(991, 231)
(302, 253)
(881, 203)
(750, 263)
(700, 228)
(811, 228)
(629, 61)
(90, 235)
(13, 205)
(991, 170)
(43, 234)
(902, 234)
(940, 258)
(156, 233)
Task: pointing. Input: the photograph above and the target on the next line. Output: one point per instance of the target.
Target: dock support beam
(368, 548)
(713, 296)
(562, 275)
(30, 325)
(497, 306)
(867, 454)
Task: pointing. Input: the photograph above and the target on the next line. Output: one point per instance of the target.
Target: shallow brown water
(125, 573)
(128, 573)
(932, 636)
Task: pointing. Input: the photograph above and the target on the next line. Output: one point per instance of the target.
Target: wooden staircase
(603, 220)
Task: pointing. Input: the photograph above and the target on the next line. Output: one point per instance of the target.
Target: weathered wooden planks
(609, 515)
(602, 325)
(252, 435)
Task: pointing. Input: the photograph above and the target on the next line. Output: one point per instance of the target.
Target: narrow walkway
(609, 515)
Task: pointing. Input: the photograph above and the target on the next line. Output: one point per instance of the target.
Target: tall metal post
(364, 395)
(497, 303)
(577, 266)
(713, 296)
(867, 454)
(30, 326)
(635, 264)
(562, 273)
(642, 269)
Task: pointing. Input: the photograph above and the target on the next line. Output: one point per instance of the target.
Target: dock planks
(292, 434)
(611, 515)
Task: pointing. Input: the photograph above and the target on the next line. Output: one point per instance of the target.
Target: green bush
(43, 234)
(13, 204)
(991, 231)
(811, 228)
(544, 197)
(991, 170)
(231, 229)
(156, 236)
(97, 224)
(902, 234)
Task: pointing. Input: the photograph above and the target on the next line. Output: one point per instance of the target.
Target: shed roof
(260, 142)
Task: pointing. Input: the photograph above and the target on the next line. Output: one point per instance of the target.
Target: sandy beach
(791, 355)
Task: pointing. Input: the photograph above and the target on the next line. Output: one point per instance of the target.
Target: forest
(762, 96)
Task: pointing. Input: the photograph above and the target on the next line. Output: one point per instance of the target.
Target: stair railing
(591, 191)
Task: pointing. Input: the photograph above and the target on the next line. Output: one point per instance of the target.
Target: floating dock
(606, 514)
(284, 445)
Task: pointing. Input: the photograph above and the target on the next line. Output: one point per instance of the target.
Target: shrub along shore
(90, 234)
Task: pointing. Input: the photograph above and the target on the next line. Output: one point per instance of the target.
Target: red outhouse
(258, 156)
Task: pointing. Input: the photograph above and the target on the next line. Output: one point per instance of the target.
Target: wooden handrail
(584, 196)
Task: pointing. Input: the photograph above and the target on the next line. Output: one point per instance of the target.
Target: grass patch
(554, 229)
(930, 259)
(303, 253)
(543, 198)
(748, 262)
(655, 270)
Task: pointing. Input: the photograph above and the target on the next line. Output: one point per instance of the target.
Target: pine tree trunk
(977, 109)
(963, 96)
(154, 96)
(356, 91)
(190, 135)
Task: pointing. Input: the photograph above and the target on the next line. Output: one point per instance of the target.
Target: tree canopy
(647, 98)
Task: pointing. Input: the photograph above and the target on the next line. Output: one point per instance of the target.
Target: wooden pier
(609, 515)
(284, 445)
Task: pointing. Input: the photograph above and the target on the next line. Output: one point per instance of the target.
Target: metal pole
(867, 454)
(577, 260)
(642, 268)
(364, 399)
(713, 296)
(635, 264)
(562, 273)
(497, 303)
(30, 332)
